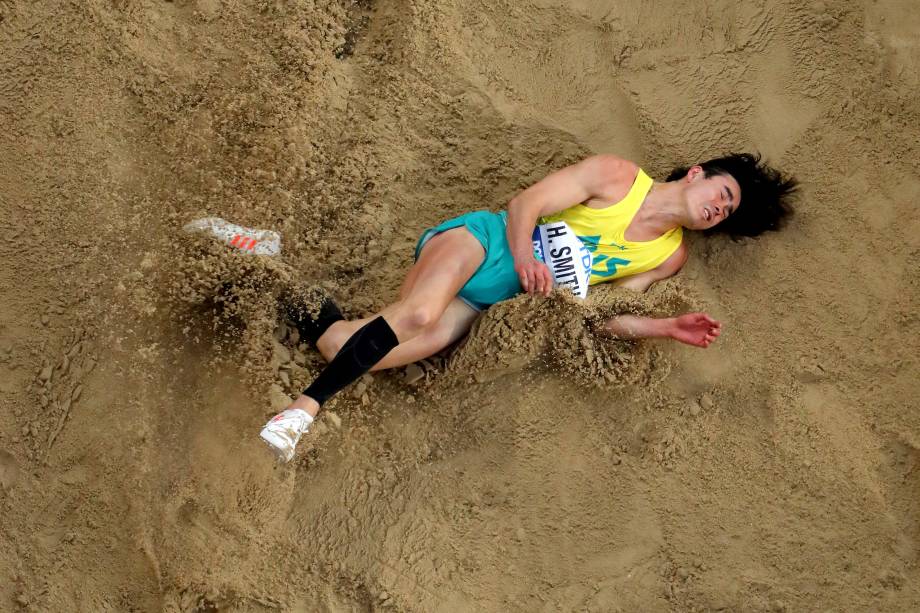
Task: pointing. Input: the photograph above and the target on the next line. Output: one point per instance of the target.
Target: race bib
(568, 259)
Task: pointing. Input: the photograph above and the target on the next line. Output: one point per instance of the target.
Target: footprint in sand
(900, 472)
(9, 471)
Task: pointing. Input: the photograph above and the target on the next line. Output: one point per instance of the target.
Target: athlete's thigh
(445, 264)
(456, 321)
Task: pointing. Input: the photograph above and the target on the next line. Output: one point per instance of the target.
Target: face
(710, 200)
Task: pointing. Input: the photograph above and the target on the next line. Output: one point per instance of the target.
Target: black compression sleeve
(360, 352)
(313, 327)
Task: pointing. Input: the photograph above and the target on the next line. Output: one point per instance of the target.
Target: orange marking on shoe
(252, 245)
(236, 239)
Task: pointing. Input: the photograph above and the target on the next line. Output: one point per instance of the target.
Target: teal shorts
(495, 279)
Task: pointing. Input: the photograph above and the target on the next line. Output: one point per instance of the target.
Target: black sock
(311, 327)
(360, 352)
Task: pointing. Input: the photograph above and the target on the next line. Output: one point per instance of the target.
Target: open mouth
(706, 214)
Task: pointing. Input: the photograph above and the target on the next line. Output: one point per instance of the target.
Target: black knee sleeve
(360, 352)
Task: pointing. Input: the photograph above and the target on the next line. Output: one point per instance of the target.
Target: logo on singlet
(603, 265)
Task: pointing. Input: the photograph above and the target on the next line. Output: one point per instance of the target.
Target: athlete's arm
(642, 281)
(600, 176)
(697, 329)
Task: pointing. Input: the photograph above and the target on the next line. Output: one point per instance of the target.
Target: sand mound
(239, 298)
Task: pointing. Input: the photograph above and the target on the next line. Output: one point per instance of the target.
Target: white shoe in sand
(247, 240)
(284, 430)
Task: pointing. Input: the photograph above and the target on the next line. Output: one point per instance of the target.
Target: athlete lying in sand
(632, 225)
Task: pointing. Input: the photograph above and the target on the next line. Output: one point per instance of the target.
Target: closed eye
(727, 193)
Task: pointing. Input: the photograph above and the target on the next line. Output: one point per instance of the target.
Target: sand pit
(534, 468)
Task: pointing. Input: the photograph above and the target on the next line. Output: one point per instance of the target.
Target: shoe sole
(247, 240)
(277, 444)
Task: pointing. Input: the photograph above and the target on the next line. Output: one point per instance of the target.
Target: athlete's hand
(534, 275)
(697, 329)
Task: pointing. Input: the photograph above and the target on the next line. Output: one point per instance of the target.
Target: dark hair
(765, 193)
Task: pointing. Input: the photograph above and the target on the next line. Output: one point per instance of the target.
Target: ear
(694, 172)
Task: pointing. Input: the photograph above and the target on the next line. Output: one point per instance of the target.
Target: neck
(664, 208)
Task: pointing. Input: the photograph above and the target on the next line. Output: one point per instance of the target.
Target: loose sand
(535, 468)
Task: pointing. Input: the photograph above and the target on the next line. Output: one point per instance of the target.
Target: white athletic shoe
(284, 430)
(247, 240)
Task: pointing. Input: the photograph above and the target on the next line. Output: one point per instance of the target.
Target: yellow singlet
(602, 231)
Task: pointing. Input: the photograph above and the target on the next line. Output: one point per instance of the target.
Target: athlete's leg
(454, 323)
(327, 329)
(444, 266)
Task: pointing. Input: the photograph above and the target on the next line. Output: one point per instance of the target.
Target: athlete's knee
(331, 342)
(420, 317)
(413, 319)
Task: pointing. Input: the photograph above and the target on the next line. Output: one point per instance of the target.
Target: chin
(702, 223)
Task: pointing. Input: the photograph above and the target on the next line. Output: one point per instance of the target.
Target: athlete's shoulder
(613, 166)
(612, 176)
(674, 262)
